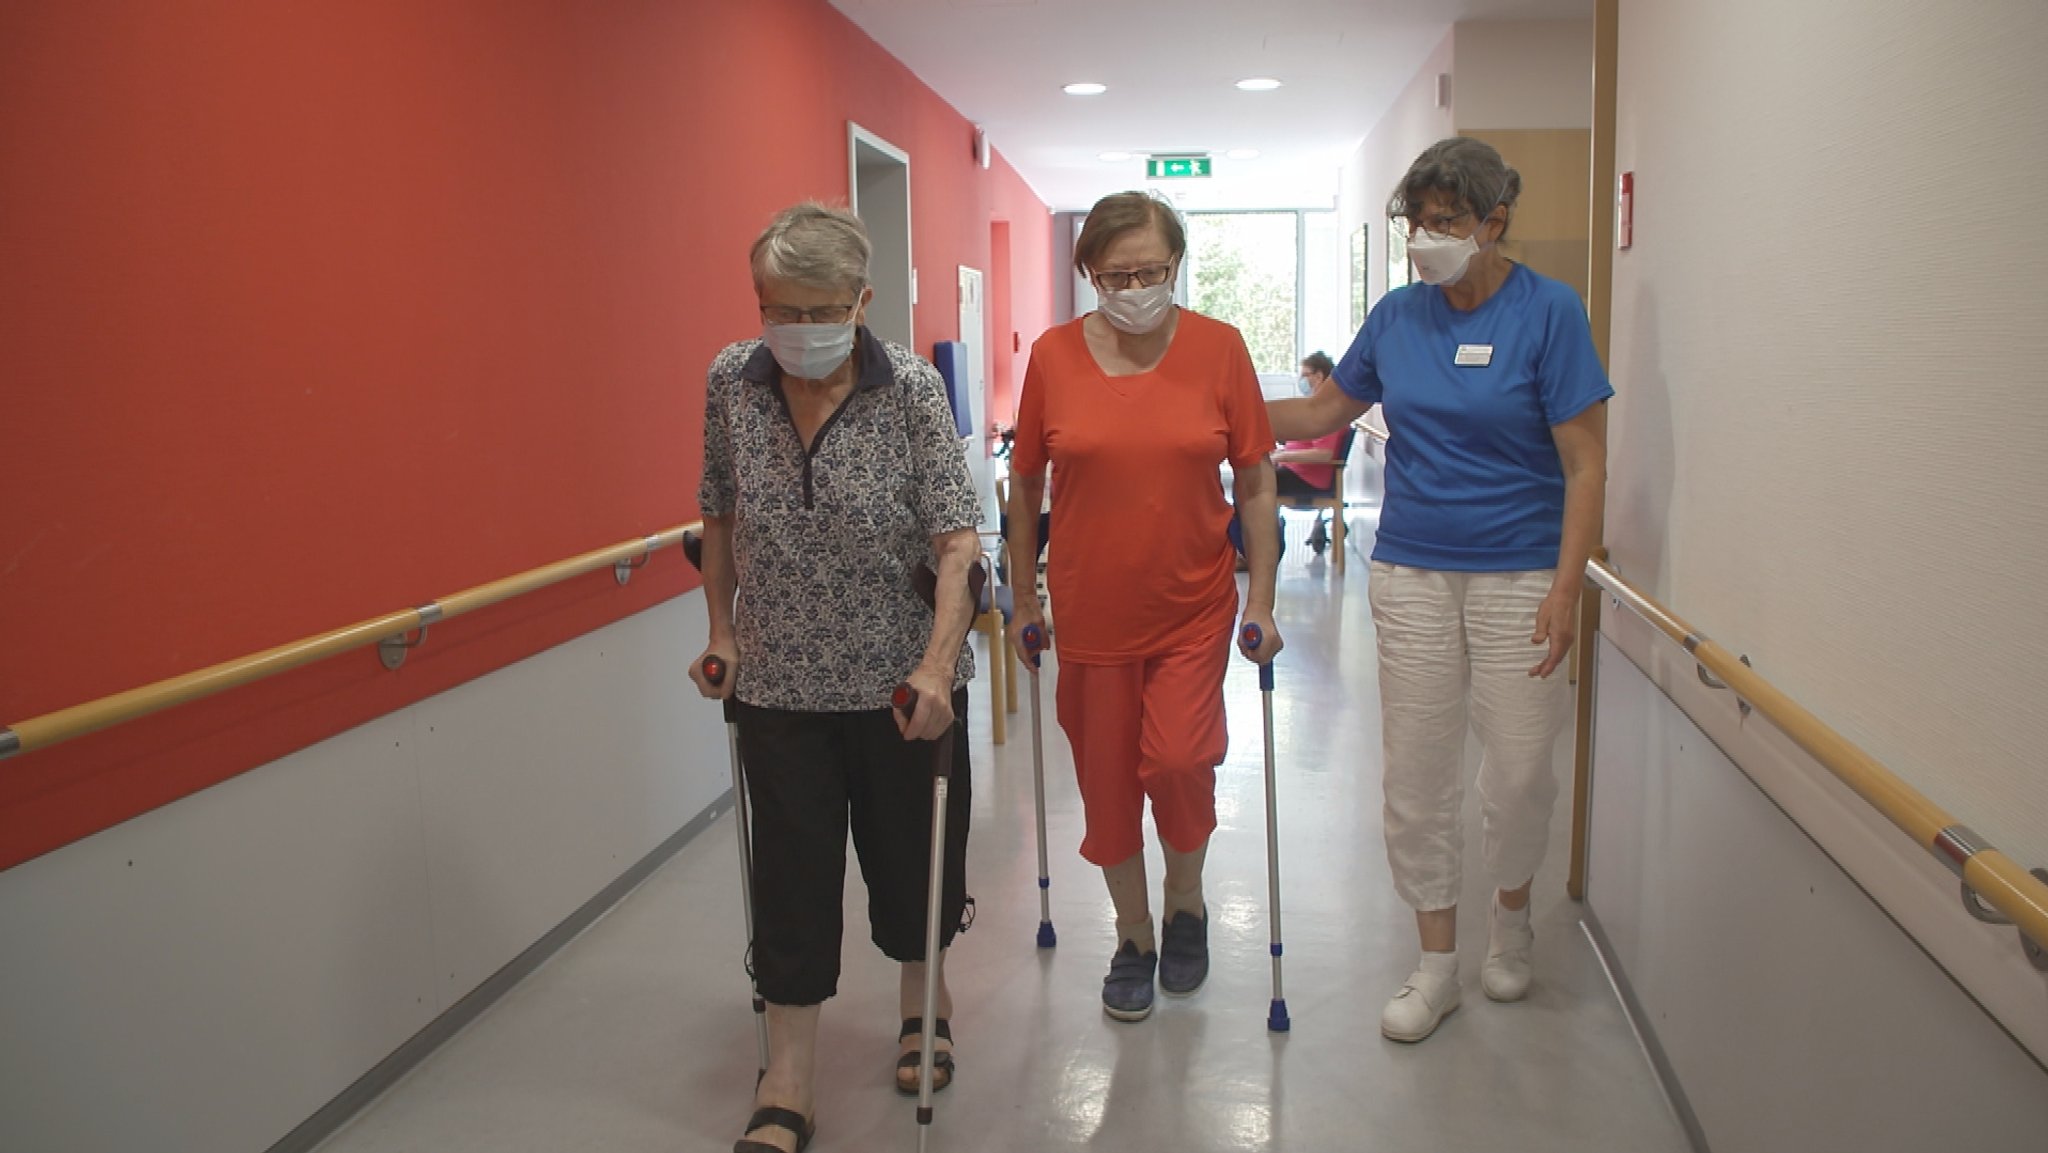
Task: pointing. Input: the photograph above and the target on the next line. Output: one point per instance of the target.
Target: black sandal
(942, 1060)
(789, 1119)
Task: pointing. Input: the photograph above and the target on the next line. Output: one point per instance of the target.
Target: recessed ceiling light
(1259, 84)
(1114, 157)
(1243, 154)
(1086, 88)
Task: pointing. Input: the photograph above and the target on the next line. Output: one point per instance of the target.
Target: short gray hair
(814, 244)
(1470, 172)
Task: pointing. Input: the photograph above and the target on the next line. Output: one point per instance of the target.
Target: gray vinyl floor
(637, 1038)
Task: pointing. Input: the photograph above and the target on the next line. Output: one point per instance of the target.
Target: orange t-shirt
(1139, 561)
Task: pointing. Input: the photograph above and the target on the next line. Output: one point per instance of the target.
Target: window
(1358, 249)
(1243, 270)
(1282, 278)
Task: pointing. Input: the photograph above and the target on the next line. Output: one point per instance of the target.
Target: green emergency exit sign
(1176, 167)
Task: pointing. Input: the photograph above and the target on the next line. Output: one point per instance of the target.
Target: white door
(973, 334)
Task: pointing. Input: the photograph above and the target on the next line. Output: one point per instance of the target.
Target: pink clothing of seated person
(1315, 475)
(1308, 478)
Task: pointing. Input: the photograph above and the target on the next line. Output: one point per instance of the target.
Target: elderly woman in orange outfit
(1136, 406)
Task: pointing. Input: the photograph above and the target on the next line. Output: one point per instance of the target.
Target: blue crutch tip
(1276, 1021)
(1046, 938)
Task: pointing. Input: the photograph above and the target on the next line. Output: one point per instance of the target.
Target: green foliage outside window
(1242, 269)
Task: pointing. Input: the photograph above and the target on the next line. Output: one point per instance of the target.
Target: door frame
(892, 271)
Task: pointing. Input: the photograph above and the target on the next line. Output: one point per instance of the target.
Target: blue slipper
(1127, 991)
(1184, 954)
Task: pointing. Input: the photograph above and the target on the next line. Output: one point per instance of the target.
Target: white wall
(205, 977)
(1524, 74)
(1794, 1012)
(1411, 125)
(1828, 445)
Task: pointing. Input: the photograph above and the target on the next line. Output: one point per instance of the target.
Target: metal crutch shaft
(1276, 1017)
(1034, 644)
(925, 581)
(714, 672)
(905, 700)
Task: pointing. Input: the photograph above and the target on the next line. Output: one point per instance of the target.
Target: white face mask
(1441, 260)
(1138, 310)
(810, 351)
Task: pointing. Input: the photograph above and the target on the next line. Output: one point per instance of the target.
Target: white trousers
(1452, 643)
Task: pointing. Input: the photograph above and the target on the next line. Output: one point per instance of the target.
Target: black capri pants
(810, 776)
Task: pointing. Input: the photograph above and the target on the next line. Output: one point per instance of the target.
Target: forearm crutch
(714, 673)
(1276, 1017)
(926, 583)
(905, 700)
(1034, 644)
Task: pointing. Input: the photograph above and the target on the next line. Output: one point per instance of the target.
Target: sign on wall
(1177, 167)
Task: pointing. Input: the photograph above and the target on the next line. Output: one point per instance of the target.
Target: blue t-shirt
(1474, 483)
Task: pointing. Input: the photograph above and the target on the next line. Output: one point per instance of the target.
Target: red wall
(311, 312)
(1027, 310)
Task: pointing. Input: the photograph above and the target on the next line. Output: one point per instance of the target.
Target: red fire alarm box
(1624, 209)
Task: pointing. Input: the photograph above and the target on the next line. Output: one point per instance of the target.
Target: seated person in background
(1305, 466)
(1302, 467)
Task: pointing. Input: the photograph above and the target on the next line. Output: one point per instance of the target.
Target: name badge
(1474, 355)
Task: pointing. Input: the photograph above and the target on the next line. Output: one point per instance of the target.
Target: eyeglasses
(823, 314)
(1150, 276)
(1437, 222)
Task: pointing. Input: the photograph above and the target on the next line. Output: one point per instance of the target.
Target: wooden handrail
(1994, 877)
(78, 720)
(1372, 430)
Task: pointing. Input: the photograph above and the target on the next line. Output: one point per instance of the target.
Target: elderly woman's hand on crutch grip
(1028, 633)
(1258, 638)
(716, 669)
(931, 715)
(713, 670)
(953, 590)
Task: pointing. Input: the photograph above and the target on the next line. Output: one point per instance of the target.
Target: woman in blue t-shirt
(1496, 475)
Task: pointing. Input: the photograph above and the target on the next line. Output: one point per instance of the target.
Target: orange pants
(1150, 728)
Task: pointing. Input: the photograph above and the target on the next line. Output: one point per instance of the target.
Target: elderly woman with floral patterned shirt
(832, 471)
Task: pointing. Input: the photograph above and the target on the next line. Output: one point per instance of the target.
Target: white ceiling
(1171, 67)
